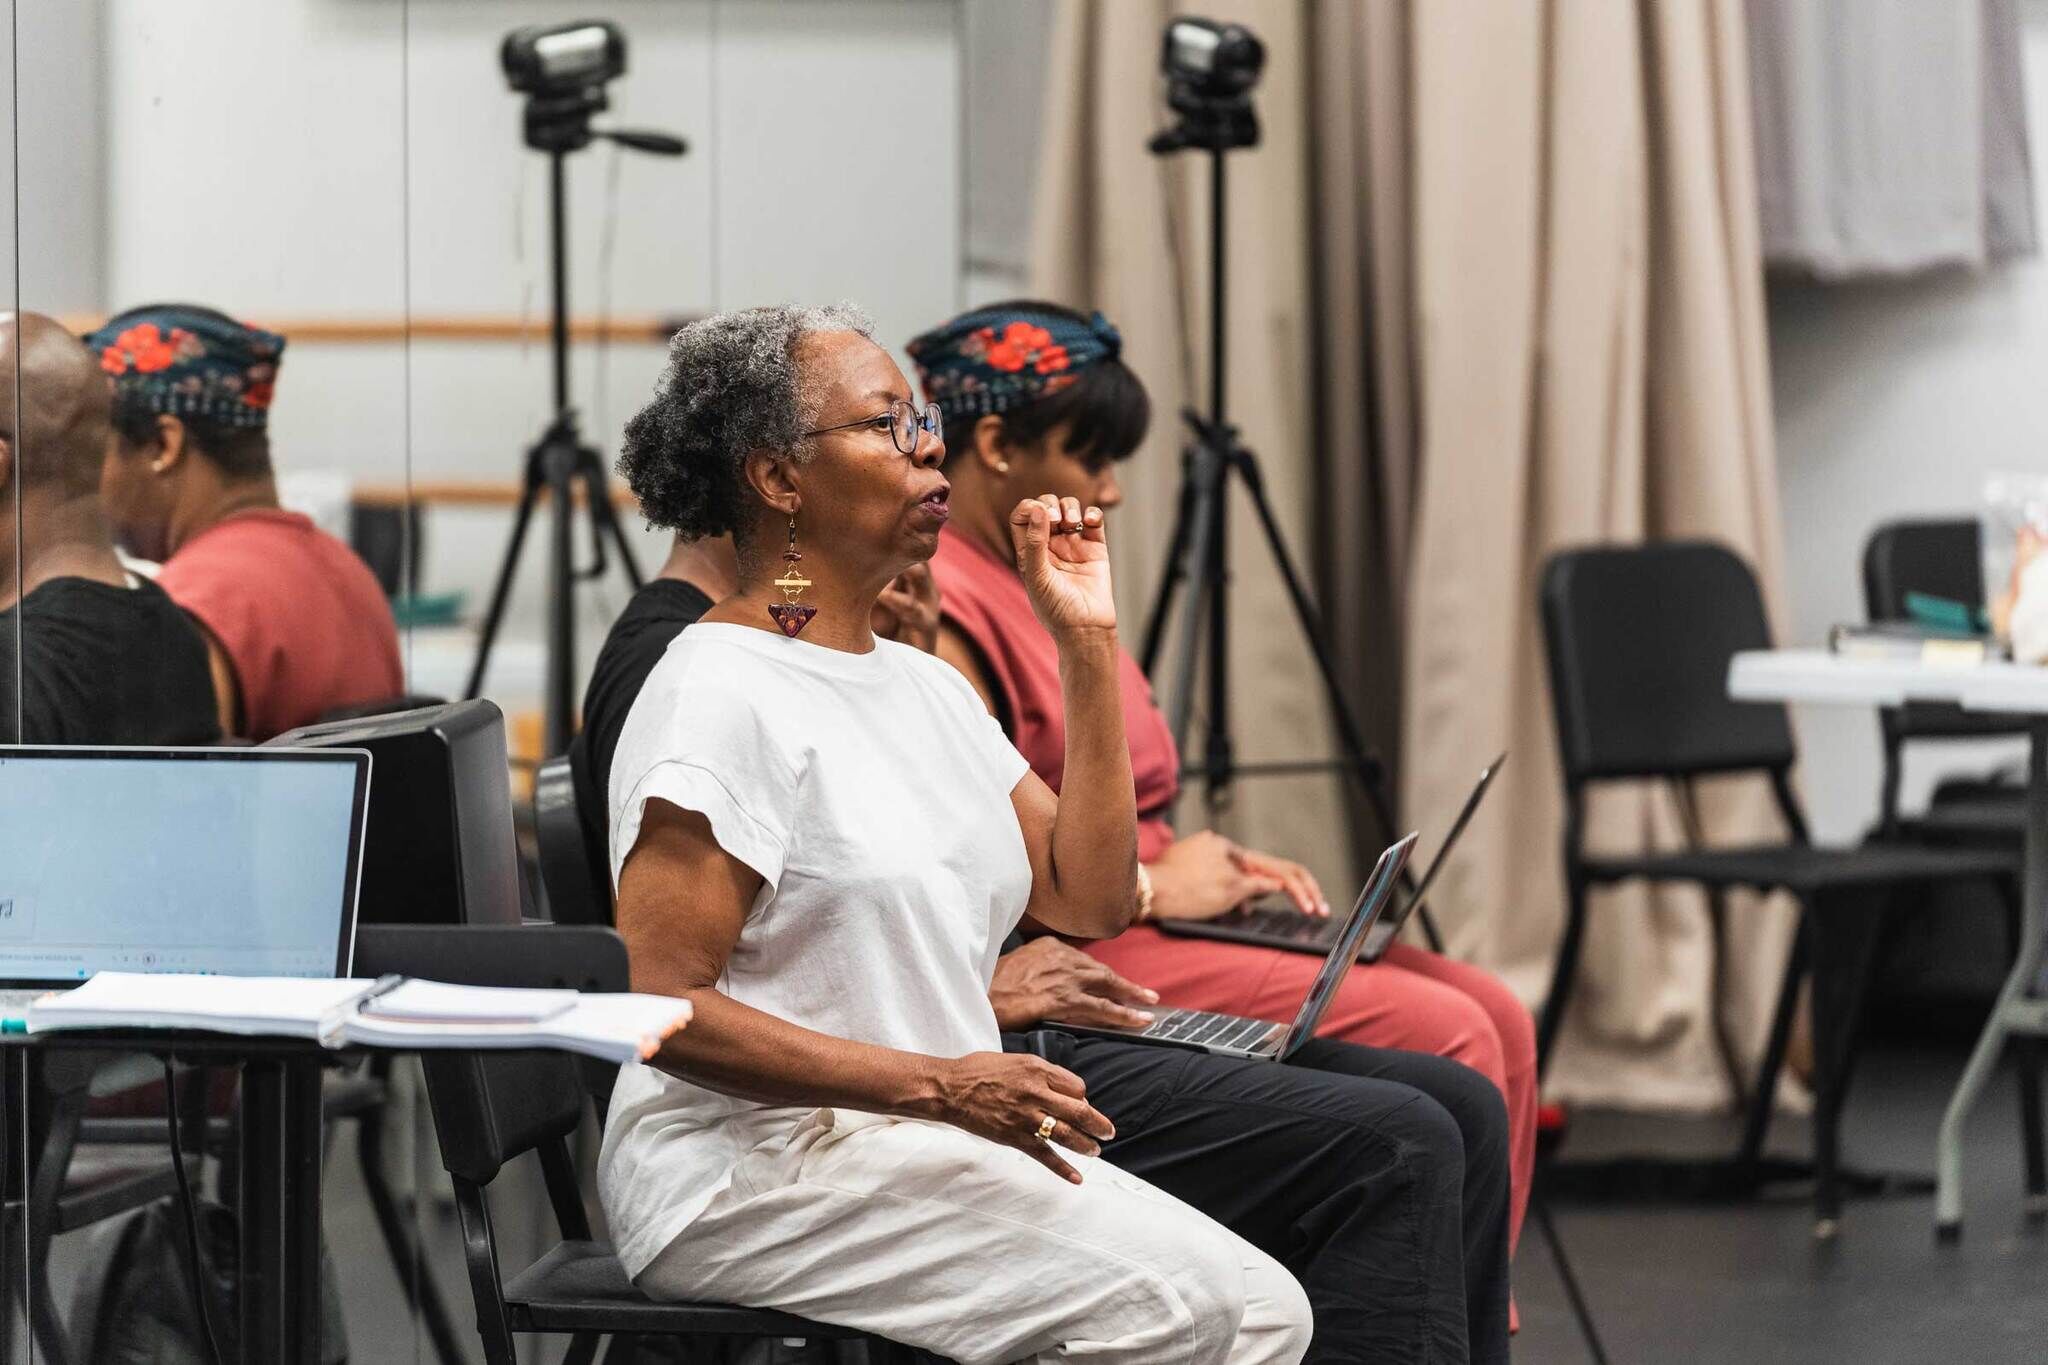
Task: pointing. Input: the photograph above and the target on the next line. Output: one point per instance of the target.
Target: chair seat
(100, 1184)
(580, 1286)
(1979, 816)
(1805, 869)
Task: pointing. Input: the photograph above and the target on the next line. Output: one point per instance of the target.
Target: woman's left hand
(1295, 880)
(1064, 559)
(908, 609)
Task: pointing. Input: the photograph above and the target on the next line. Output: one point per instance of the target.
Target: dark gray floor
(1750, 1284)
(1740, 1283)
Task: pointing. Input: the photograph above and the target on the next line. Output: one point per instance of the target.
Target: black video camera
(1210, 69)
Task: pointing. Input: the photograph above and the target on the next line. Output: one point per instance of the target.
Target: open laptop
(1275, 923)
(1231, 1035)
(239, 862)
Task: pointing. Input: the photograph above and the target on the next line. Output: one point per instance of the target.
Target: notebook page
(439, 1002)
(292, 1006)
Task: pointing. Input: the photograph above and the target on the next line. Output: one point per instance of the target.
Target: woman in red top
(1036, 396)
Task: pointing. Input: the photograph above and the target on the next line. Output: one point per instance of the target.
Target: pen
(386, 984)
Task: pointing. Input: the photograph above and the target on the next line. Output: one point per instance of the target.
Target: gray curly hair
(732, 386)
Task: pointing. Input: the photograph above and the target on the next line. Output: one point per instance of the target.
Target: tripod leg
(502, 589)
(605, 518)
(1372, 775)
(1180, 703)
(1170, 574)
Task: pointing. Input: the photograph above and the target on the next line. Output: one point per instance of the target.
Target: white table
(1813, 675)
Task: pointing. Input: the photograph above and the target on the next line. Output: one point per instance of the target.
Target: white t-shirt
(872, 794)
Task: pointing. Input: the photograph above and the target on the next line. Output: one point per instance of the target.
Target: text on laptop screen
(145, 863)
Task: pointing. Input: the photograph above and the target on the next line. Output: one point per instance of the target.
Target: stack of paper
(405, 1015)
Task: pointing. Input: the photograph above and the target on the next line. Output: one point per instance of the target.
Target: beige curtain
(1531, 316)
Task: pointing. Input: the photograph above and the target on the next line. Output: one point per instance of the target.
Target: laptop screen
(241, 862)
(1372, 899)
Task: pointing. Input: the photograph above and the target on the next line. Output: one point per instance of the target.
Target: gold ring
(1045, 1127)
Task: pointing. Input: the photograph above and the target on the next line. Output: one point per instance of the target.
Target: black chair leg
(1540, 1211)
(1845, 940)
(415, 1277)
(2027, 1057)
(1563, 972)
(1764, 1095)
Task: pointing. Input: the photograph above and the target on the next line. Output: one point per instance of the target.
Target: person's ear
(773, 478)
(170, 445)
(990, 445)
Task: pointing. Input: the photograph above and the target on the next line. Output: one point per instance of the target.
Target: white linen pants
(934, 1238)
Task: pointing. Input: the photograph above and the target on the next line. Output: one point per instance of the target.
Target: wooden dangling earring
(790, 615)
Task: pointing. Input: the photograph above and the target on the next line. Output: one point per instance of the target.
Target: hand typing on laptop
(1047, 979)
(1206, 875)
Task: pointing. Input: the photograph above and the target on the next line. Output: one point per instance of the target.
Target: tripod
(561, 464)
(1198, 556)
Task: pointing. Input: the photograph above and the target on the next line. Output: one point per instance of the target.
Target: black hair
(1105, 411)
(238, 452)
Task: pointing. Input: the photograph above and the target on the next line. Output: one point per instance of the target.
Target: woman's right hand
(1063, 558)
(1004, 1096)
(1205, 875)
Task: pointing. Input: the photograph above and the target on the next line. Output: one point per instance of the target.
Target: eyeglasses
(904, 420)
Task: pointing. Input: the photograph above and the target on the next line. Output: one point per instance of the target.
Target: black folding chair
(493, 1107)
(1940, 559)
(1945, 559)
(1638, 641)
(572, 868)
(65, 1192)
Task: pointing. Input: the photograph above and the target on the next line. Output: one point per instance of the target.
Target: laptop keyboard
(1283, 922)
(1203, 1028)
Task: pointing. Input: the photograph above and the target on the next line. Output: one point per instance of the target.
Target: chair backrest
(578, 885)
(1940, 558)
(490, 1107)
(1638, 640)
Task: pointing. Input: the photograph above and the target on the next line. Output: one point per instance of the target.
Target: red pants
(1409, 999)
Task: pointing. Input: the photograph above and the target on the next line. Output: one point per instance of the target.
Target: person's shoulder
(932, 672)
(708, 670)
(665, 604)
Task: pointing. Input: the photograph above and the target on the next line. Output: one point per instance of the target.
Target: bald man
(105, 657)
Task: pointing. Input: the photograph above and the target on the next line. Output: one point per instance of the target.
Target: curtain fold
(1526, 313)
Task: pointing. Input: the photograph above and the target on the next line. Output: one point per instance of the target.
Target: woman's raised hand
(1064, 559)
(1007, 1096)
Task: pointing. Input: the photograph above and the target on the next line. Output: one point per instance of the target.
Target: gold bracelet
(1144, 894)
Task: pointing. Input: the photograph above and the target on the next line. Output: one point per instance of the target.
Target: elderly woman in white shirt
(820, 839)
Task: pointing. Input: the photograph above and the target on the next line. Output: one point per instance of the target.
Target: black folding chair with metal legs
(1944, 558)
(1638, 641)
(65, 1196)
(491, 1108)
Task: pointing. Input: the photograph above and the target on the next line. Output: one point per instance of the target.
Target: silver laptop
(240, 862)
(1231, 1035)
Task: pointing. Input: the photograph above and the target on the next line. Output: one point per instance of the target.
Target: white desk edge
(1815, 675)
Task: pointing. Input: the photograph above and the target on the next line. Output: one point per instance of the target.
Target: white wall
(1896, 399)
(288, 158)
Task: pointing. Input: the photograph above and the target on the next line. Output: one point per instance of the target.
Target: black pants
(1379, 1178)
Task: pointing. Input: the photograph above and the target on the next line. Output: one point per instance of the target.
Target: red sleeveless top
(983, 598)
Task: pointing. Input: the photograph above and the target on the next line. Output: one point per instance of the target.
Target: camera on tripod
(1210, 69)
(563, 69)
